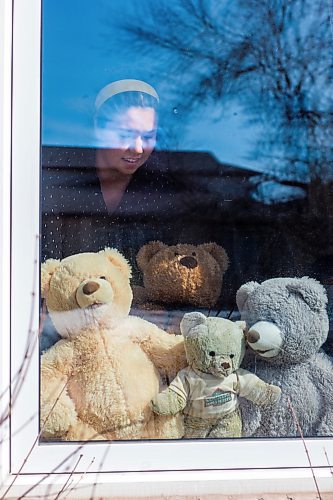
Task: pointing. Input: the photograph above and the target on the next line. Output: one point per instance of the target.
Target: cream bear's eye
(102, 278)
(212, 353)
(232, 356)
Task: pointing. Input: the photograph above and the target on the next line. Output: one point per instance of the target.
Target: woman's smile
(132, 160)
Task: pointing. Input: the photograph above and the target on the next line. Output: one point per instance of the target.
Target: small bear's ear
(310, 290)
(47, 270)
(243, 292)
(190, 321)
(118, 260)
(147, 251)
(241, 325)
(219, 254)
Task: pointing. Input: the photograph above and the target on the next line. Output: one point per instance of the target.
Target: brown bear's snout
(252, 336)
(90, 287)
(189, 262)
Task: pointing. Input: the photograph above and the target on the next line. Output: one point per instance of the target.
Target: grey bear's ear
(243, 292)
(310, 290)
(47, 270)
(190, 321)
(147, 251)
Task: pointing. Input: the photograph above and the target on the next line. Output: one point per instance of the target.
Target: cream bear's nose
(90, 287)
(225, 365)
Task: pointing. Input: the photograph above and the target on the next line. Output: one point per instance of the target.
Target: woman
(121, 195)
(125, 127)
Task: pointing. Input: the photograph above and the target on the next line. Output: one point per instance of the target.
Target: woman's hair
(121, 102)
(118, 96)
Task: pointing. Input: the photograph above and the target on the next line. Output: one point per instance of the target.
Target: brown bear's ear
(147, 251)
(219, 254)
(118, 260)
(47, 270)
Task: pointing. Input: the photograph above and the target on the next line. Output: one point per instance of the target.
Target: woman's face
(129, 139)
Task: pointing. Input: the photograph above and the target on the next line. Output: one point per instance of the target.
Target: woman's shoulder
(67, 183)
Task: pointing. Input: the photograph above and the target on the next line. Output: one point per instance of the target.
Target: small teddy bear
(181, 274)
(206, 391)
(287, 325)
(98, 380)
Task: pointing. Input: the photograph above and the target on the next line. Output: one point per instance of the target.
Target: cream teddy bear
(207, 390)
(98, 380)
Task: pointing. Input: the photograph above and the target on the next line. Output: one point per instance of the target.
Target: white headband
(123, 86)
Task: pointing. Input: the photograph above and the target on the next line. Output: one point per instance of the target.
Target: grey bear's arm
(168, 402)
(251, 416)
(321, 376)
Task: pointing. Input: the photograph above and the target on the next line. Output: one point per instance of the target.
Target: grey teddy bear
(287, 324)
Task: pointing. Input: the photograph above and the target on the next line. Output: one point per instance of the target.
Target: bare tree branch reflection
(273, 56)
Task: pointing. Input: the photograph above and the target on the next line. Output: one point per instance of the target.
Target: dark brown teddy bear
(180, 274)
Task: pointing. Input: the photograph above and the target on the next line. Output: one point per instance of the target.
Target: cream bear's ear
(118, 260)
(190, 321)
(241, 325)
(47, 270)
(243, 292)
(219, 254)
(147, 251)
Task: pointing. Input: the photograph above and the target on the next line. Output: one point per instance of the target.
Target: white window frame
(103, 469)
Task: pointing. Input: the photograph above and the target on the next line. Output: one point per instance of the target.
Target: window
(218, 465)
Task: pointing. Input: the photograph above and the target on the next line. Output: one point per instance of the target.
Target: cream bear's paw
(273, 395)
(55, 421)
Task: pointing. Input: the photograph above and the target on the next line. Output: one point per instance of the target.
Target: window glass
(187, 162)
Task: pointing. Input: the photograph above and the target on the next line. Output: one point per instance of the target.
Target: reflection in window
(204, 162)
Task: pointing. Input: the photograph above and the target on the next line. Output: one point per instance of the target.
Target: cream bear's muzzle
(94, 292)
(265, 339)
(221, 366)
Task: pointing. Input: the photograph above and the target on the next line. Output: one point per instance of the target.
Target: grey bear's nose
(189, 262)
(90, 287)
(252, 336)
